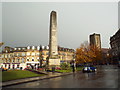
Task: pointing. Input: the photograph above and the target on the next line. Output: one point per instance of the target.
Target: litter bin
(53, 69)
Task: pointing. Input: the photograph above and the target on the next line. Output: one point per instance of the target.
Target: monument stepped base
(54, 62)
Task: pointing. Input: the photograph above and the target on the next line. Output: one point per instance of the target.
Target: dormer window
(43, 47)
(33, 47)
(23, 48)
(28, 47)
(47, 47)
(15, 48)
(38, 47)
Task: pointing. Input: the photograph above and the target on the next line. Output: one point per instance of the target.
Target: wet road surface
(105, 77)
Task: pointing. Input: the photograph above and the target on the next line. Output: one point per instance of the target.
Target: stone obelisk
(53, 44)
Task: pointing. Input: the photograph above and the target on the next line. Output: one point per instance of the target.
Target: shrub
(57, 68)
(65, 66)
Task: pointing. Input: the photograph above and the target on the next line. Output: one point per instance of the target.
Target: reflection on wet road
(105, 77)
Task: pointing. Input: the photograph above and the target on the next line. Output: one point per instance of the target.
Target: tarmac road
(105, 77)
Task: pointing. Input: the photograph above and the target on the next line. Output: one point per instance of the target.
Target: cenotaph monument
(53, 44)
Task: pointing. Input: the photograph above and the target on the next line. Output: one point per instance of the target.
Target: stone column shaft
(53, 35)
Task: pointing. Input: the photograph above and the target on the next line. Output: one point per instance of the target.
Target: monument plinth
(53, 44)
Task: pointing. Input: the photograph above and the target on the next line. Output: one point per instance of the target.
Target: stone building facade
(105, 56)
(115, 47)
(34, 56)
(95, 40)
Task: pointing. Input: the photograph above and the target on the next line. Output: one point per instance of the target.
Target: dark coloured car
(89, 69)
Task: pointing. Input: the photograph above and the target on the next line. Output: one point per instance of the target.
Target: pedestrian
(36, 67)
(73, 67)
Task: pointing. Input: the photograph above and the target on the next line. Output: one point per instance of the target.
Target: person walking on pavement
(73, 66)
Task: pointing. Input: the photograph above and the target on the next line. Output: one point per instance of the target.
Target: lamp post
(74, 64)
(107, 58)
(40, 56)
(47, 63)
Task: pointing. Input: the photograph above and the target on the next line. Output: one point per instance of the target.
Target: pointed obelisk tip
(53, 11)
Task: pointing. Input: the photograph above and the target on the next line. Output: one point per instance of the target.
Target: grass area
(70, 70)
(64, 70)
(18, 74)
(79, 68)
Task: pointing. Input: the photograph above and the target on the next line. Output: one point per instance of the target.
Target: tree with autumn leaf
(87, 53)
(98, 54)
(1, 43)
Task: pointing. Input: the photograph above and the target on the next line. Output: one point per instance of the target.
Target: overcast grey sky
(0, 22)
(28, 23)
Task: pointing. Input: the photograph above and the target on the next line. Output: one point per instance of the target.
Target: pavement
(25, 80)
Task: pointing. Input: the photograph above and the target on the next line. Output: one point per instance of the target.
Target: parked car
(89, 69)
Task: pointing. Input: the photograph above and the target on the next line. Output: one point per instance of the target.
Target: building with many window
(33, 56)
(95, 40)
(106, 56)
(115, 47)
